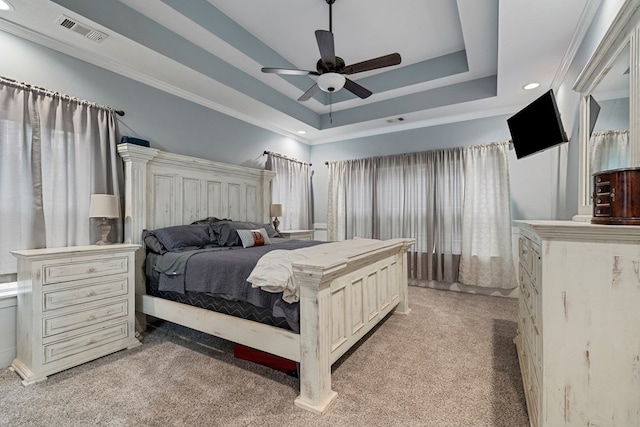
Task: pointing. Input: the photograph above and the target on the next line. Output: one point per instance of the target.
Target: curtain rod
(284, 157)
(47, 92)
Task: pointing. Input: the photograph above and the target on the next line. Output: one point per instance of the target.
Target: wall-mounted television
(537, 126)
(594, 110)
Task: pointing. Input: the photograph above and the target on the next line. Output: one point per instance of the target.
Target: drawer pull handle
(92, 270)
(92, 294)
(92, 318)
(92, 341)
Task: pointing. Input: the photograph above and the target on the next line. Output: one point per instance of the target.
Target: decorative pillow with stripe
(258, 237)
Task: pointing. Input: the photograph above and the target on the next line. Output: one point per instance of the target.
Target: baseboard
(468, 289)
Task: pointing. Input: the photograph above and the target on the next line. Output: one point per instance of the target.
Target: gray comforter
(224, 271)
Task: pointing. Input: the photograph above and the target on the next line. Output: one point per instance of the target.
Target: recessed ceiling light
(4, 5)
(530, 86)
(302, 132)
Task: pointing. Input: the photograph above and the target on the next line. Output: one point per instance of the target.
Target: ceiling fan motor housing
(330, 68)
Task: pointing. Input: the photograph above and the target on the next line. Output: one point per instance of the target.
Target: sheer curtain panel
(55, 151)
(609, 150)
(291, 188)
(487, 258)
(429, 196)
(417, 195)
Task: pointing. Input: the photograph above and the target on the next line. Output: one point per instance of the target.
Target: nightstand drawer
(84, 270)
(84, 343)
(69, 322)
(84, 291)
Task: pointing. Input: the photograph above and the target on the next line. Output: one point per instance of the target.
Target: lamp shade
(276, 210)
(104, 206)
(331, 82)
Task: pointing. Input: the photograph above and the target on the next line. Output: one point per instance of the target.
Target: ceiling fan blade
(356, 89)
(372, 64)
(290, 71)
(326, 47)
(309, 93)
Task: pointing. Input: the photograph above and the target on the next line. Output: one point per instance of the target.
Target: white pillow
(254, 237)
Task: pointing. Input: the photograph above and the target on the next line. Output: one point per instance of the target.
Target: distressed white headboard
(163, 189)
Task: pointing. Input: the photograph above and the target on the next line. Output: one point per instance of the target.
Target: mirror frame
(623, 33)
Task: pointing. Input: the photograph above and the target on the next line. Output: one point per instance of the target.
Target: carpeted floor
(451, 362)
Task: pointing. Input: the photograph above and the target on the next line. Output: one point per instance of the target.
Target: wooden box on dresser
(75, 304)
(579, 323)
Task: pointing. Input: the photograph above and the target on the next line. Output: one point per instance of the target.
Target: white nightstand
(297, 234)
(75, 304)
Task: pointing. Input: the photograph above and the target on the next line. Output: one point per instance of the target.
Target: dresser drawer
(84, 291)
(83, 270)
(93, 316)
(58, 350)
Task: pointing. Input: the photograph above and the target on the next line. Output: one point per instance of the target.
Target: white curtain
(291, 188)
(422, 196)
(486, 220)
(55, 151)
(609, 150)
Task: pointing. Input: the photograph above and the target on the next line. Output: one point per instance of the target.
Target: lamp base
(276, 224)
(104, 228)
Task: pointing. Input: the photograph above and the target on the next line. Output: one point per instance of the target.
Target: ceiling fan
(331, 69)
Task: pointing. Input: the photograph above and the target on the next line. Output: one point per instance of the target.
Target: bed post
(403, 280)
(135, 160)
(315, 333)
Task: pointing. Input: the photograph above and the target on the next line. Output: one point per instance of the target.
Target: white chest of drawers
(579, 323)
(75, 304)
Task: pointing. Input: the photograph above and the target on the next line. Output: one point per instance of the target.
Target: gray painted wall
(532, 184)
(170, 123)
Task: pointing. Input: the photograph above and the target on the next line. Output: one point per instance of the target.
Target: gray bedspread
(225, 271)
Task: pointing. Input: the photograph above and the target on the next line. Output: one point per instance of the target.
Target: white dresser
(75, 304)
(579, 323)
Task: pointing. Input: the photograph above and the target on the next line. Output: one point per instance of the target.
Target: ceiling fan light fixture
(331, 82)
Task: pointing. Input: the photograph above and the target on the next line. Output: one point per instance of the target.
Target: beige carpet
(451, 362)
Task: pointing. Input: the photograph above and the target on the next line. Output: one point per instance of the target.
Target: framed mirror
(609, 86)
(608, 130)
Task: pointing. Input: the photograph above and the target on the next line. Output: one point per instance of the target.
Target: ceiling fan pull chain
(330, 109)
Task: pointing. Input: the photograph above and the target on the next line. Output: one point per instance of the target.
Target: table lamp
(276, 211)
(105, 206)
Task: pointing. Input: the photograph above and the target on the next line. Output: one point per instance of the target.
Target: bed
(342, 295)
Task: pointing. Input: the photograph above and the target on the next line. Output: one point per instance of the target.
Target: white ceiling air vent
(83, 30)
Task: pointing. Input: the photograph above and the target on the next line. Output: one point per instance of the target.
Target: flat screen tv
(537, 126)
(594, 110)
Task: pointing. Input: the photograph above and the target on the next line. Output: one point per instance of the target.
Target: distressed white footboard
(342, 297)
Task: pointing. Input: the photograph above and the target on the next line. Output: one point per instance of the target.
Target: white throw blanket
(274, 271)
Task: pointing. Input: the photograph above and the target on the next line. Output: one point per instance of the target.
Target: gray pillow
(226, 231)
(183, 237)
(208, 220)
(152, 243)
(270, 230)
